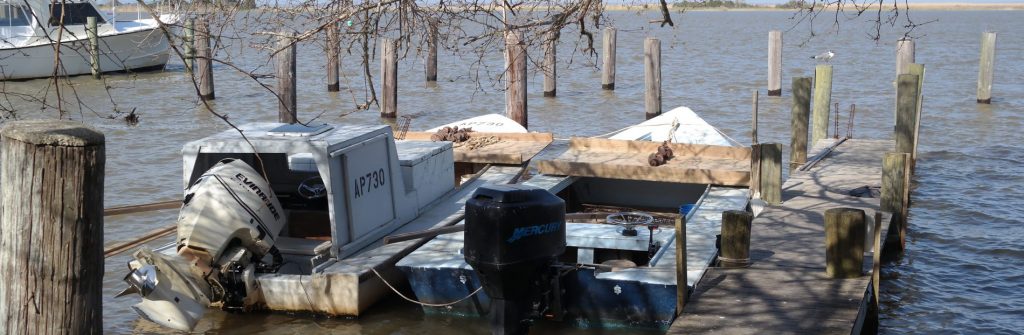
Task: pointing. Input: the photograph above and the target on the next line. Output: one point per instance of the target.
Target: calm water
(964, 268)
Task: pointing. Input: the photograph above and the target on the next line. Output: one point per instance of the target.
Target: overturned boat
(291, 217)
(609, 258)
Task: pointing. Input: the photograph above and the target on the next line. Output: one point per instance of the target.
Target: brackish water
(963, 271)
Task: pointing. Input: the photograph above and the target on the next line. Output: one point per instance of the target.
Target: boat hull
(122, 52)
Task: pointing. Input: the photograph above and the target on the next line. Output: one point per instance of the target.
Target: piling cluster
(662, 156)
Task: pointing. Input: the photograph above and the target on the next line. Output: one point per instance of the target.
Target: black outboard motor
(513, 235)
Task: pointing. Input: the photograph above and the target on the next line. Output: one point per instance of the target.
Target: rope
(423, 303)
(743, 261)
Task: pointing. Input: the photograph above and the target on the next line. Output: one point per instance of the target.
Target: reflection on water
(961, 272)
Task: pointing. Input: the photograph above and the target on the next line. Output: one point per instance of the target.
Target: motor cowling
(513, 234)
(229, 205)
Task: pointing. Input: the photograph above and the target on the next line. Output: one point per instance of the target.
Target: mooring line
(423, 303)
(149, 236)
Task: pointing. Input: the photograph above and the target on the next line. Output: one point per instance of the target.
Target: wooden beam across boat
(623, 159)
(494, 148)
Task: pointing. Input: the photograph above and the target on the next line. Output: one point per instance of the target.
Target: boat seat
(302, 246)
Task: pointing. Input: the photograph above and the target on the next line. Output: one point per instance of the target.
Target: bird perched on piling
(824, 56)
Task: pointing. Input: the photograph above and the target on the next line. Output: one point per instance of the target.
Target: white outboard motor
(228, 223)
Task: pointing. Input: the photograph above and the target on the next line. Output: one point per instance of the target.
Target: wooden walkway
(785, 290)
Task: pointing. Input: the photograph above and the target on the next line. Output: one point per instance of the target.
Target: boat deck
(785, 290)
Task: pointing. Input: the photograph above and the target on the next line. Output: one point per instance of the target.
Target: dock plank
(785, 289)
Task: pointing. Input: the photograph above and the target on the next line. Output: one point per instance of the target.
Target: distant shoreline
(940, 6)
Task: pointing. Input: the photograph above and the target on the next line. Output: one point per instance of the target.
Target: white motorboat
(30, 29)
(291, 218)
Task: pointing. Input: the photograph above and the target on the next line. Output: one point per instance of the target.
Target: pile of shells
(452, 134)
(663, 155)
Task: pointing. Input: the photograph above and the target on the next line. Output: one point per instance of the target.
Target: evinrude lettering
(522, 232)
(263, 196)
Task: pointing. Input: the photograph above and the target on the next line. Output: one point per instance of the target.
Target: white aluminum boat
(30, 29)
(609, 275)
(298, 226)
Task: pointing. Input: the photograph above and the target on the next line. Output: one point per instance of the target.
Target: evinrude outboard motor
(228, 223)
(513, 235)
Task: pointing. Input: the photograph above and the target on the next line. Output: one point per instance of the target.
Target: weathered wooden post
(652, 77)
(51, 216)
(822, 102)
(189, 41)
(333, 55)
(895, 188)
(753, 119)
(774, 63)
(515, 78)
(735, 239)
(771, 173)
(608, 67)
(904, 54)
(204, 60)
(550, 64)
(94, 45)
(431, 64)
(988, 59)
(917, 69)
(389, 78)
(681, 280)
(906, 112)
(801, 111)
(286, 53)
(845, 232)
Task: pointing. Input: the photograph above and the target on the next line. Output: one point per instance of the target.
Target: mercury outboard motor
(513, 235)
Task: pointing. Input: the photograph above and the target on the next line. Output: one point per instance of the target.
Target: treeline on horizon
(734, 4)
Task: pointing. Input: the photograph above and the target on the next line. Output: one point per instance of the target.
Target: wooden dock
(785, 289)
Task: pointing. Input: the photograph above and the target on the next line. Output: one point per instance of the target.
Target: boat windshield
(12, 15)
(73, 13)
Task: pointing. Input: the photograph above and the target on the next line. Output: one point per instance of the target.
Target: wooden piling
(94, 45)
(906, 112)
(801, 110)
(550, 64)
(682, 290)
(753, 120)
(189, 41)
(904, 54)
(845, 230)
(652, 77)
(917, 69)
(431, 63)
(735, 239)
(985, 67)
(822, 102)
(52, 223)
(389, 78)
(895, 188)
(515, 78)
(608, 67)
(774, 63)
(771, 173)
(333, 55)
(204, 60)
(286, 53)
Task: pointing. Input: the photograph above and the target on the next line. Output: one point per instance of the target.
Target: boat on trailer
(30, 29)
(618, 265)
(291, 217)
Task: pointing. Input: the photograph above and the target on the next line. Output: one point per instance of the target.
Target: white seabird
(825, 56)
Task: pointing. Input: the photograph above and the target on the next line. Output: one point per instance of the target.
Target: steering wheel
(312, 188)
(629, 220)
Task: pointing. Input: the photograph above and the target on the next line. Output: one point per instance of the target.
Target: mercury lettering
(522, 232)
